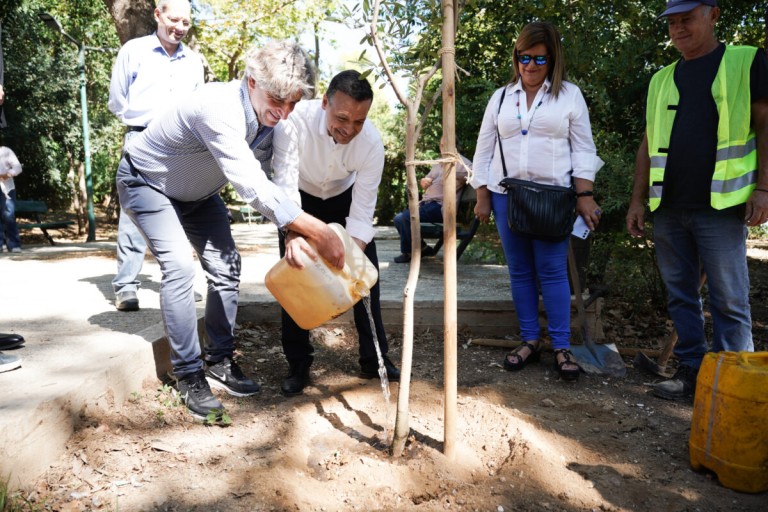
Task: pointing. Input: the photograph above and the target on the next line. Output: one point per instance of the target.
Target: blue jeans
(9, 231)
(170, 227)
(535, 264)
(716, 241)
(428, 212)
(131, 248)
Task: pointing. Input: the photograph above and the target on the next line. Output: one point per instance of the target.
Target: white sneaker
(16, 249)
(8, 363)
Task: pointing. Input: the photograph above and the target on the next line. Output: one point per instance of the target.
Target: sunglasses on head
(539, 60)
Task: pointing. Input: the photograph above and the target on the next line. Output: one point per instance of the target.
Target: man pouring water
(329, 158)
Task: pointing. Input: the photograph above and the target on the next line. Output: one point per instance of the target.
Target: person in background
(430, 207)
(3, 124)
(329, 157)
(703, 167)
(7, 341)
(539, 125)
(9, 231)
(149, 74)
(169, 181)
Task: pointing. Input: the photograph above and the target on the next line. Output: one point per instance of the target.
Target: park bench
(36, 210)
(466, 222)
(249, 214)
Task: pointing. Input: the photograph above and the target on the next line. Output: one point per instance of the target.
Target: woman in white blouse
(545, 135)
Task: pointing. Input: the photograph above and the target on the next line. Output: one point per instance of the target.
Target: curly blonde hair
(281, 69)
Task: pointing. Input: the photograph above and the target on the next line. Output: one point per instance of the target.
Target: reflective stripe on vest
(735, 172)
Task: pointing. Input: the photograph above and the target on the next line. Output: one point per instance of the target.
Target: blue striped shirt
(146, 80)
(211, 138)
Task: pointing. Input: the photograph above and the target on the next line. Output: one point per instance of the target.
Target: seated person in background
(9, 231)
(430, 207)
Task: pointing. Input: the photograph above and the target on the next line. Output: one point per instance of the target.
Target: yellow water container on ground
(318, 292)
(729, 427)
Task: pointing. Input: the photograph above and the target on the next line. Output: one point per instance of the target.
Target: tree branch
(382, 58)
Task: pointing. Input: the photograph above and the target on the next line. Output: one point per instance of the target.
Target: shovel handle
(576, 282)
(669, 345)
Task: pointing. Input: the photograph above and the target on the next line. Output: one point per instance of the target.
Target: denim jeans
(428, 212)
(715, 241)
(170, 227)
(131, 248)
(9, 231)
(535, 264)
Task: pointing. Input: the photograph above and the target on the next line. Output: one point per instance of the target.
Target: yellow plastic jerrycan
(728, 426)
(318, 292)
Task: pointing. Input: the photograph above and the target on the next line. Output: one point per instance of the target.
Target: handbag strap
(498, 135)
(498, 138)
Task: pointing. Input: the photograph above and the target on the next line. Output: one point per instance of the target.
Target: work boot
(127, 301)
(297, 379)
(196, 394)
(680, 387)
(227, 375)
(369, 369)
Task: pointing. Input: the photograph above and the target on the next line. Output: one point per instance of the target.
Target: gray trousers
(169, 227)
(131, 248)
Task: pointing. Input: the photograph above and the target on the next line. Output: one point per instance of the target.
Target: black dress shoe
(369, 369)
(403, 258)
(297, 379)
(9, 341)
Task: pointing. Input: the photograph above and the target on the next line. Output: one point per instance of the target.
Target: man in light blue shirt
(149, 75)
(169, 181)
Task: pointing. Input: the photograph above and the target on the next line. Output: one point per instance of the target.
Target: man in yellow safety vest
(703, 168)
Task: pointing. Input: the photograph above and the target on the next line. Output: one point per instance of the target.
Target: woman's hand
(589, 210)
(483, 206)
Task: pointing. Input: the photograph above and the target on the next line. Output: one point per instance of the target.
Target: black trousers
(296, 345)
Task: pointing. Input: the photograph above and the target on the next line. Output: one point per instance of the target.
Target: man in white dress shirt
(329, 157)
(150, 74)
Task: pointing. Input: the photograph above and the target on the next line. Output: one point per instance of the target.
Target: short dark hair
(351, 83)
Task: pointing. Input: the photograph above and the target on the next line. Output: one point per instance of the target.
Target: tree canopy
(611, 48)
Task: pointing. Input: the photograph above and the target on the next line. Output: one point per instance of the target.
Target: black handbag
(546, 212)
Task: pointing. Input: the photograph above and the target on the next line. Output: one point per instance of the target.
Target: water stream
(382, 369)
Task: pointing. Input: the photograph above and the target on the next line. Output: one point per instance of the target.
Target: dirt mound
(525, 441)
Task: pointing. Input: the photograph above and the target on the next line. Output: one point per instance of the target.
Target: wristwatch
(586, 193)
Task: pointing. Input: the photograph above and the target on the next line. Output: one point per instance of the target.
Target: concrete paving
(82, 355)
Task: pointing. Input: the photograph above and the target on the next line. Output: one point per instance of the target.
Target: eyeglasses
(540, 60)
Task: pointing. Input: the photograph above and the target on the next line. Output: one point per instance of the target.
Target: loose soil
(523, 441)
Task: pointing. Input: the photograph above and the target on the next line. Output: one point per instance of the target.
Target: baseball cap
(679, 6)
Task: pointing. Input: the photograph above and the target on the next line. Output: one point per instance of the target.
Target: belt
(135, 128)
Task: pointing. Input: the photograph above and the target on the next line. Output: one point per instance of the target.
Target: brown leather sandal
(519, 362)
(569, 374)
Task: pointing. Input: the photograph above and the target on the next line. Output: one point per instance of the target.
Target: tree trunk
(133, 18)
(402, 427)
